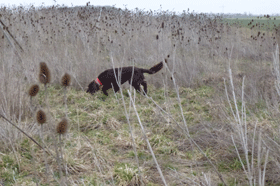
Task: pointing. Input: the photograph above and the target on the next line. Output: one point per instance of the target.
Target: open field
(261, 23)
(210, 118)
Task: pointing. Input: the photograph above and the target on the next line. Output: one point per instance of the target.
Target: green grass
(232, 165)
(9, 170)
(104, 124)
(265, 23)
(124, 172)
(142, 155)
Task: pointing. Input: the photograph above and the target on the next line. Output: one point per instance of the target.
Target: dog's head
(93, 87)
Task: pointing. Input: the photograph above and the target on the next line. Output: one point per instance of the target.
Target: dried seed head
(42, 78)
(66, 80)
(62, 126)
(34, 89)
(44, 75)
(41, 117)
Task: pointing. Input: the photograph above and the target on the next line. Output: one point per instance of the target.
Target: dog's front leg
(105, 91)
(137, 87)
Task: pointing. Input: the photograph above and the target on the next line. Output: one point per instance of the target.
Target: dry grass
(190, 139)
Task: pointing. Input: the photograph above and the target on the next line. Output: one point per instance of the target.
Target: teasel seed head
(44, 75)
(33, 90)
(41, 117)
(62, 126)
(66, 80)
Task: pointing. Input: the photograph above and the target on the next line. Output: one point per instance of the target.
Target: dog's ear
(97, 86)
(92, 87)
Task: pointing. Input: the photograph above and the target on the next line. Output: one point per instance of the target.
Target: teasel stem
(45, 157)
(32, 92)
(157, 37)
(61, 150)
(62, 126)
(61, 129)
(45, 78)
(41, 119)
(60, 157)
(31, 107)
(65, 81)
(65, 101)
(36, 176)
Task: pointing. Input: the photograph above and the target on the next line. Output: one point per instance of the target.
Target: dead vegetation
(194, 134)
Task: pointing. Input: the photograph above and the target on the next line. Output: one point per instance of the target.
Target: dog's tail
(154, 69)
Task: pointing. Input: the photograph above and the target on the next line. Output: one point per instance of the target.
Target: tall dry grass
(80, 40)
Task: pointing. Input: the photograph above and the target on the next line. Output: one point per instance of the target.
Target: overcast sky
(205, 6)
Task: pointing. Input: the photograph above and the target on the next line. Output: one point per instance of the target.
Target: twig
(32, 139)
(3, 26)
(146, 138)
(21, 131)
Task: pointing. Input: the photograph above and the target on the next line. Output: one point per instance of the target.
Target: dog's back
(124, 74)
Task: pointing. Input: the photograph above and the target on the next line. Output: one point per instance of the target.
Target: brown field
(211, 116)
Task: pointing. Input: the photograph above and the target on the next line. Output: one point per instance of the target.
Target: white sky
(206, 6)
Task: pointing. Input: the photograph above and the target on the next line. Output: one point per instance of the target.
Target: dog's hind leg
(116, 88)
(144, 83)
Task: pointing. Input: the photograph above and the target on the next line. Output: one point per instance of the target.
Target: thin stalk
(45, 157)
(65, 100)
(128, 121)
(60, 158)
(32, 139)
(147, 140)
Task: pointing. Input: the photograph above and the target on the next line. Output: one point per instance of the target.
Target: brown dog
(134, 76)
